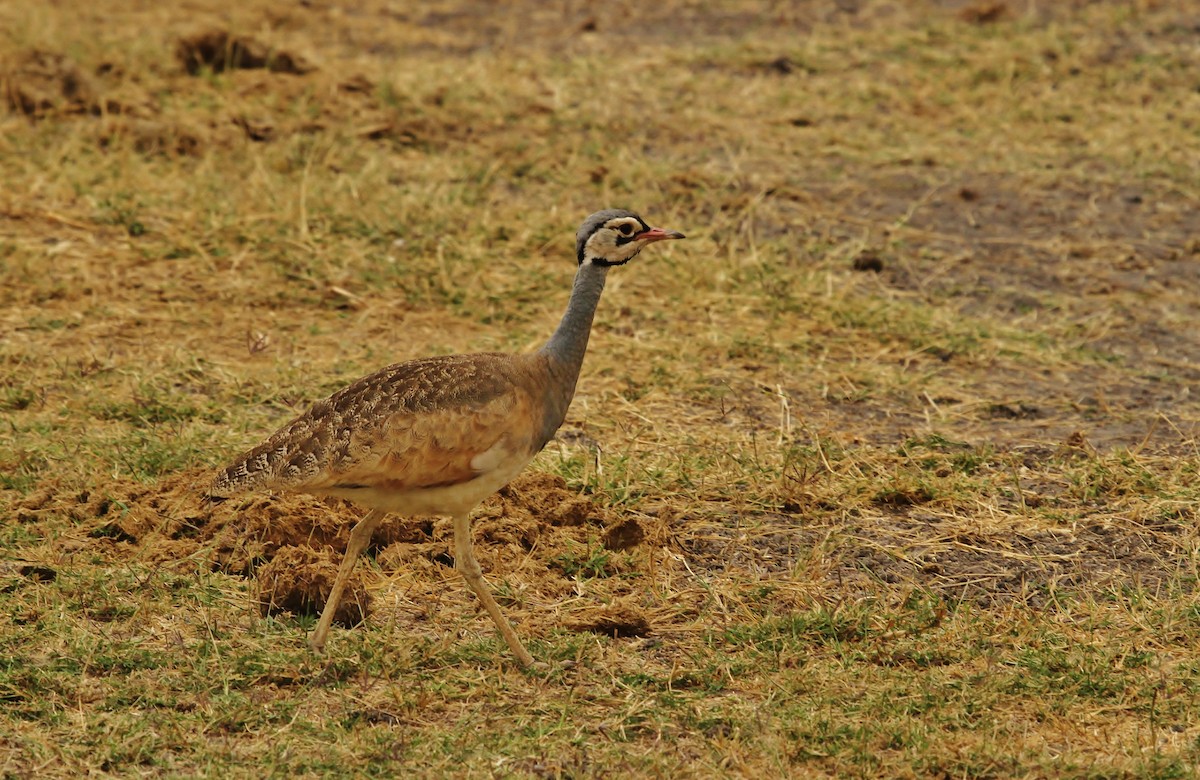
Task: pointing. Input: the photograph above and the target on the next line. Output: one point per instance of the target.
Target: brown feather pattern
(413, 425)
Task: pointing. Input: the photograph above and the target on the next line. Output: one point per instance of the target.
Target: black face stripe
(609, 263)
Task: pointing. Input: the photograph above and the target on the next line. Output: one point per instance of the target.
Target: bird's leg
(464, 560)
(360, 535)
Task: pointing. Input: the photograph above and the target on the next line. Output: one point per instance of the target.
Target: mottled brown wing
(432, 449)
(423, 410)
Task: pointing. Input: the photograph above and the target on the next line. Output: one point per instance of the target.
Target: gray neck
(569, 342)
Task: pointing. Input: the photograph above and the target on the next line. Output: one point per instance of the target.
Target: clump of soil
(293, 543)
(298, 580)
(619, 619)
(624, 534)
(38, 83)
(546, 496)
(985, 13)
(150, 136)
(219, 50)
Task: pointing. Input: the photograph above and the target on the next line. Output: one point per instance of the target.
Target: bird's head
(615, 236)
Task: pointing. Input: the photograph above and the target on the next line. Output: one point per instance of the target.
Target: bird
(437, 435)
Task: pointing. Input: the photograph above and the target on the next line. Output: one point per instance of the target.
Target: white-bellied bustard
(436, 436)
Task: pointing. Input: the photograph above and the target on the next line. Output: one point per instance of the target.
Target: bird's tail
(249, 471)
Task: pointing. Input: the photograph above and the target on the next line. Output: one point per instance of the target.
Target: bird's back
(413, 428)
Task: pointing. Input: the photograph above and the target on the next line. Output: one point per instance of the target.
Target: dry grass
(889, 470)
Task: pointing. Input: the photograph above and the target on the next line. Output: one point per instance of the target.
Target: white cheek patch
(602, 243)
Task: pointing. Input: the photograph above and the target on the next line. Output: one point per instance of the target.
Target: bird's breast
(453, 498)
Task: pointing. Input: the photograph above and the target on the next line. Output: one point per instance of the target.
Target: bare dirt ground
(889, 470)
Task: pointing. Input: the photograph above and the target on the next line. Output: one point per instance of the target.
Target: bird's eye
(626, 229)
